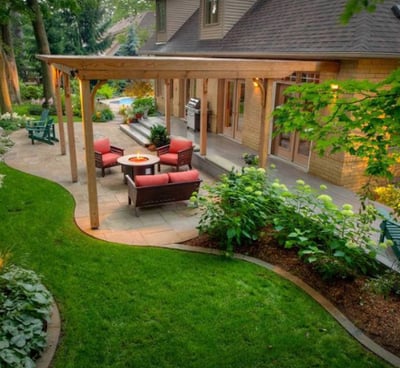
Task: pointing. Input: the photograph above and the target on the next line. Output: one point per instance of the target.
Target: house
(366, 48)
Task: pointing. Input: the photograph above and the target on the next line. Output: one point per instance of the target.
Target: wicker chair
(177, 153)
(106, 155)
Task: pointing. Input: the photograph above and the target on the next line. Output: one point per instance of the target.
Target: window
(161, 15)
(301, 77)
(210, 11)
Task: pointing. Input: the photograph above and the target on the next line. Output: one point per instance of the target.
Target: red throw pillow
(177, 145)
(151, 180)
(183, 176)
(102, 145)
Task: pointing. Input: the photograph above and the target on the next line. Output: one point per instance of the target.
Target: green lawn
(146, 307)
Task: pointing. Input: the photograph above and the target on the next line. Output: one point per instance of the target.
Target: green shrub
(144, 104)
(105, 91)
(334, 239)
(12, 121)
(31, 92)
(159, 135)
(103, 115)
(386, 284)
(235, 210)
(389, 195)
(25, 306)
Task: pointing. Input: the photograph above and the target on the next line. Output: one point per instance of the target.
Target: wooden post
(267, 108)
(203, 118)
(89, 152)
(60, 118)
(168, 105)
(70, 129)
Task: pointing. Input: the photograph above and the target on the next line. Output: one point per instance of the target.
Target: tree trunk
(42, 45)
(11, 65)
(5, 100)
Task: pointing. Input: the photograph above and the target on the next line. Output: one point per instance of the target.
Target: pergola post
(89, 152)
(168, 105)
(203, 118)
(70, 129)
(60, 118)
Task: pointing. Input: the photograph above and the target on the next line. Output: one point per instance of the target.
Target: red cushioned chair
(106, 155)
(177, 153)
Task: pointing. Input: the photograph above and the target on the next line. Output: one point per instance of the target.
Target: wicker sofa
(153, 190)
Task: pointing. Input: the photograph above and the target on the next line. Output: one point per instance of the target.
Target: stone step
(143, 140)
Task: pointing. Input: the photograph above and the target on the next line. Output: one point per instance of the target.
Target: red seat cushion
(151, 180)
(177, 145)
(169, 158)
(102, 145)
(109, 158)
(183, 176)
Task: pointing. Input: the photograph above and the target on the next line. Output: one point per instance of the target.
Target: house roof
(293, 29)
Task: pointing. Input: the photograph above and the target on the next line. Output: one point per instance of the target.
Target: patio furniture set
(145, 187)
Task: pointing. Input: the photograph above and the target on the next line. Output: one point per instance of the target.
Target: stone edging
(54, 325)
(53, 334)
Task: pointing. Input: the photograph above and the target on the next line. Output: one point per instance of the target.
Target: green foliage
(356, 6)
(159, 135)
(334, 239)
(25, 306)
(131, 44)
(31, 91)
(250, 159)
(144, 104)
(386, 284)
(105, 91)
(103, 115)
(12, 121)
(359, 117)
(235, 209)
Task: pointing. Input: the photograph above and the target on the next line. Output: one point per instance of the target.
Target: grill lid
(194, 103)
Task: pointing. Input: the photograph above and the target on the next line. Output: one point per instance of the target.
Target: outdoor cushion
(109, 158)
(183, 176)
(151, 180)
(169, 158)
(102, 145)
(177, 145)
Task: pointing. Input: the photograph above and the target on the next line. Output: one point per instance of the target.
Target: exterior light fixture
(334, 87)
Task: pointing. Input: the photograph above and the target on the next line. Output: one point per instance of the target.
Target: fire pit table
(138, 164)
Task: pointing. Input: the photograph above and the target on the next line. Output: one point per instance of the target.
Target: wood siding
(230, 11)
(178, 12)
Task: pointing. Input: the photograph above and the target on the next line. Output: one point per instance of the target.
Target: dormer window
(161, 15)
(210, 11)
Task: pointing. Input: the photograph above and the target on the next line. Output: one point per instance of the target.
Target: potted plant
(158, 136)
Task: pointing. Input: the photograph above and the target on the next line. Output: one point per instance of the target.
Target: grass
(146, 307)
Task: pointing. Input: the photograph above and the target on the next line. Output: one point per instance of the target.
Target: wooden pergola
(102, 68)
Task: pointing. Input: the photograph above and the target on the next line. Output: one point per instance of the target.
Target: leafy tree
(358, 117)
(120, 9)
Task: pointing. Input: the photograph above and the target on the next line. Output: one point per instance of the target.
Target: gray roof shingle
(287, 28)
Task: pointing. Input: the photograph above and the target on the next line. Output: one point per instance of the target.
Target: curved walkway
(160, 226)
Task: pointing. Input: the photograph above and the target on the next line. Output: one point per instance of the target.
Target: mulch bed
(376, 316)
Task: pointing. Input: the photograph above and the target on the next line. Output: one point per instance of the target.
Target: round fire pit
(138, 159)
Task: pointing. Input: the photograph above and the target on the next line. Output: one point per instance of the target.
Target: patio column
(168, 105)
(70, 129)
(89, 152)
(60, 118)
(266, 92)
(203, 118)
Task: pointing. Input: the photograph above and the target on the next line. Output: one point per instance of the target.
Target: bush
(159, 135)
(144, 104)
(335, 240)
(25, 306)
(235, 210)
(31, 92)
(103, 115)
(105, 91)
(386, 284)
(12, 121)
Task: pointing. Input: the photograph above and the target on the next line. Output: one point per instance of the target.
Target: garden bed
(376, 316)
